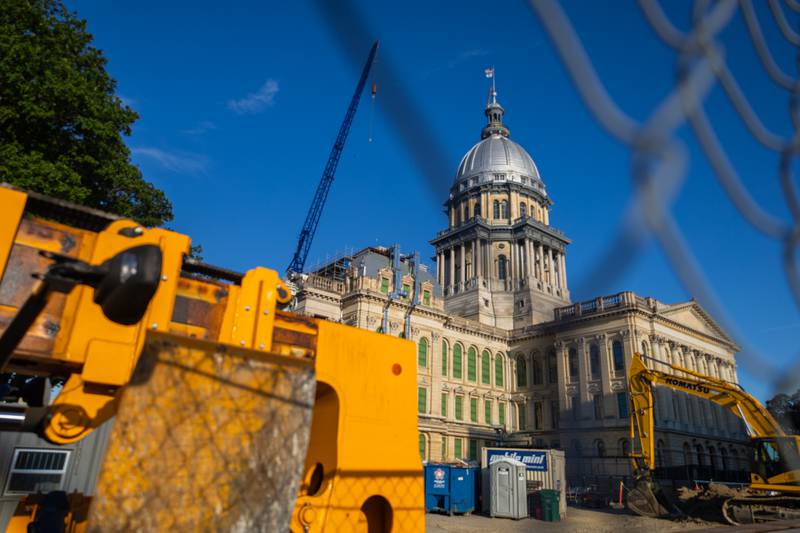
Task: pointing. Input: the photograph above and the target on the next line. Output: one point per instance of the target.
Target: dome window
(501, 267)
(523, 210)
(503, 209)
(496, 211)
(476, 211)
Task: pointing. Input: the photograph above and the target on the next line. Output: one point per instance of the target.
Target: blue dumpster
(437, 488)
(463, 487)
(450, 489)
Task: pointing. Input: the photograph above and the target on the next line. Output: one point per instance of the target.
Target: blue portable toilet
(463, 487)
(437, 488)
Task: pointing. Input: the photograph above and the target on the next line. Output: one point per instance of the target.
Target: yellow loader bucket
(207, 437)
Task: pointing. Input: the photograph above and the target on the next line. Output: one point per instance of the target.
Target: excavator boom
(776, 465)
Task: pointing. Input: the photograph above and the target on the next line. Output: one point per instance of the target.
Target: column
(556, 271)
(529, 257)
(474, 250)
(463, 264)
(564, 271)
(552, 270)
(609, 400)
(452, 269)
(537, 267)
(478, 258)
(439, 267)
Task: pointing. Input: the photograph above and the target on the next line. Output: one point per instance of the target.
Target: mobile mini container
(544, 468)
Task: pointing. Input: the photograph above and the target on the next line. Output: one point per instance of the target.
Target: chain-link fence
(660, 157)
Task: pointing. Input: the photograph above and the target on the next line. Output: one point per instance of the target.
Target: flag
(489, 72)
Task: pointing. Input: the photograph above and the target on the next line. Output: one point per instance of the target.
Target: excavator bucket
(647, 499)
(207, 437)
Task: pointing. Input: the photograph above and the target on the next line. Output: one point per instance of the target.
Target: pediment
(693, 316)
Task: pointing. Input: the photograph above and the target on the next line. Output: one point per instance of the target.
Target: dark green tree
(61, 123)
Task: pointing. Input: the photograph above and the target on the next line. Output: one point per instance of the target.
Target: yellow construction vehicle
(774, 491)
(227, 412)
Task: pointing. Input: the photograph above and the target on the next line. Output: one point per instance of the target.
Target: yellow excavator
(228, 413)
(774, 491)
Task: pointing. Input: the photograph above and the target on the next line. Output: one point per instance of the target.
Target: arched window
(501, 267)
(476, 211)
(552, 367)
(660, 457)
(600, 448)
(734, 459)
(687, 454)
(472, 364)
(498, 370)
(422, 447)
(496, 210)
(594, 361)
(724, 455)
(700, 455)
(422, 352)
(573, 364)
(523, 210)
(486, 367)
(522, 372)
(445, 350)
(624, 447)
(712, 457)
(645, 351)
(538, 374)
(503, 209)
(619, 356)
(457, 361)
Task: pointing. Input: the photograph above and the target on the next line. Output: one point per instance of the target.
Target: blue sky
(240, 104)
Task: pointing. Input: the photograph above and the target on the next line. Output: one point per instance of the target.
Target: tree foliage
(61, 123)
(786, 410)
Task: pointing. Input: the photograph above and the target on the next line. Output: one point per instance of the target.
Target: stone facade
(505, 357)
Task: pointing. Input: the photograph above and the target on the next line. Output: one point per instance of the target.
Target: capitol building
(504, 356)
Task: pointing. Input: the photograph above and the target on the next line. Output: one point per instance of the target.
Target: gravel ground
(578, 520)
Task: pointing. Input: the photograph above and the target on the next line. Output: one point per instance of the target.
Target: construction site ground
(578, 520)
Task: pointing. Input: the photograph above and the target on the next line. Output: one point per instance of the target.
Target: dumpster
(463, 486)
(450, 489)
(550, 505)
(437, 488)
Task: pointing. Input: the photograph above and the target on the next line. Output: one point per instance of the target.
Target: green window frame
(522, 420)
(422, 446)
(457, 448)
(501, 413)
(444, 447)
(426, 297)
(457, 361)
(385, 285)
(472, 356)
(459, 407)
(444, 404)
(522, 372)
(473, 449)
(406, 291)
(422, 399)
(422, 353)
(473, 410)
(486, 365)
(444, 358)
(487, 411)
(498, 370)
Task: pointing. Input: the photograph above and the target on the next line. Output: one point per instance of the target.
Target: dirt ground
(578, 520)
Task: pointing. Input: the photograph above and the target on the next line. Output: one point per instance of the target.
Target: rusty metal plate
(207, 437)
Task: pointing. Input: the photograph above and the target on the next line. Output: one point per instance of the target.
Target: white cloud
(466, 56)
(203, 127)
(257, 101)
(127, 101)
(179, 162)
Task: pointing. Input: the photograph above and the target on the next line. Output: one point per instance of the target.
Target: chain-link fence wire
(206, 438)
(660, 159)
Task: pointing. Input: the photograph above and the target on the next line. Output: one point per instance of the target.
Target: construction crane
(318, 203)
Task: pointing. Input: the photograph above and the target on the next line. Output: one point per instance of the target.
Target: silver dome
(497, 153)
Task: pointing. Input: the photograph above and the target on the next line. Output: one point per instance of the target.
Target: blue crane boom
(318, 203)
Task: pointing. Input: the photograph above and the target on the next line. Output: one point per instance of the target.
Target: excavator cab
(776, 460)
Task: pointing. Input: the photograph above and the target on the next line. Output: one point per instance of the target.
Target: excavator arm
(777, 464)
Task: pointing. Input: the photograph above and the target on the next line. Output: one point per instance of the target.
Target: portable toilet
(507, 489)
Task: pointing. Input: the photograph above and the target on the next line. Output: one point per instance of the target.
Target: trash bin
(551, 511)
(437, 488)
(535, 505)
(463, 486)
